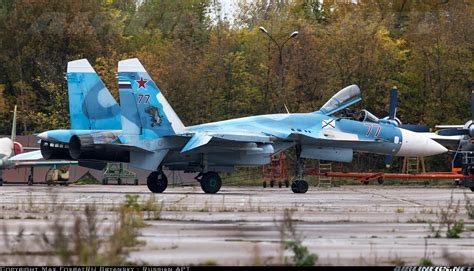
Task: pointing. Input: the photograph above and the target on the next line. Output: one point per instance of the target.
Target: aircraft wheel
(157, 182)
(272, 183)
(280, 184)
(264, 184)
(380, 180)
(211, 182)
(472, 188)
(30, 180)
(299, 186)
(1, 181)
(287, 183)
(119, 181)
(365, 182)
(136, 181)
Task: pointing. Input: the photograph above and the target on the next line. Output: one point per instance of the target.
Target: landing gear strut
(157, 181)
(210, 182)
(299, 185)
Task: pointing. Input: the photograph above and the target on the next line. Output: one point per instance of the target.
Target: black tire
(299, 186)
(303, 186)
(280, 184)
(30, 180)
(380, 180)
(157, 182)
(211, 182)
(104, 181)
(472, 188)
(365, 182)
(136, 181)
(272, 183)
(287, 183)
(264, 184)
(119, 181)
(1, 181)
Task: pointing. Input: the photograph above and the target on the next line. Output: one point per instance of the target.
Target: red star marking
(142, 83)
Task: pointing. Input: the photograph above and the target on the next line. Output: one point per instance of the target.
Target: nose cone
(43, 135)
(416, 145)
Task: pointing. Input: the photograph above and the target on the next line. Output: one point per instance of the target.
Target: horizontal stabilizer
(197, 141)
(49, 163)
(34, 155)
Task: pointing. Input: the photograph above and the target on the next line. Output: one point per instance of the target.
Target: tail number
(371, 127)
(143, 98)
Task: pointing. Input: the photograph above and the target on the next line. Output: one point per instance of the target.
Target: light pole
(280, 62)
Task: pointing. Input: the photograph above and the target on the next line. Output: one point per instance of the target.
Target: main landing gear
(210, 182)
(157, 181)
(299, 185)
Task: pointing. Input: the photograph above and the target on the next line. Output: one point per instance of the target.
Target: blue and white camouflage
(151, 136)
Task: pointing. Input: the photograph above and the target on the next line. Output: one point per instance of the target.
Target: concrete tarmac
(349, 225)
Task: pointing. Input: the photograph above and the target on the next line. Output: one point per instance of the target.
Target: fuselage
(346, 133)
(321, 137)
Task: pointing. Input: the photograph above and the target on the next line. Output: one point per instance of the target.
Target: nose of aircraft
(416, 144)
(43, 135)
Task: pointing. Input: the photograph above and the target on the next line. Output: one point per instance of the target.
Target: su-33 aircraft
(152, 136)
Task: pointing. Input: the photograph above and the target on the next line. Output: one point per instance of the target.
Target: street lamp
(280, 58)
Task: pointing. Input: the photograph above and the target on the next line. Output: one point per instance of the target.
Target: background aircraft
(153, 136)
(12, 156)
(461, 139)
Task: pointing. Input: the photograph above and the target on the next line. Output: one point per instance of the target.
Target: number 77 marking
(143, 98)
(371, 126)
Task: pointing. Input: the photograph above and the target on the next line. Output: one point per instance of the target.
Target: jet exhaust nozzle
(50, 150)
(85, 147)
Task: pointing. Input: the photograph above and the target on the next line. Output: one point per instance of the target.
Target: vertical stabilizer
(145, 111)
(91, 106)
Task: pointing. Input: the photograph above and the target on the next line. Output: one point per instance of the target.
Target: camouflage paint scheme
(154, 135)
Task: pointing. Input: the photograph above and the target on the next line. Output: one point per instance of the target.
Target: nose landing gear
(299, 185)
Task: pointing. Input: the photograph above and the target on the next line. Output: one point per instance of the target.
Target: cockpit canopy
(343, 99)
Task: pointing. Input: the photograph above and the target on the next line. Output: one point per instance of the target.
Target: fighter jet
(461, 139)
(12, 155)
(152, 136)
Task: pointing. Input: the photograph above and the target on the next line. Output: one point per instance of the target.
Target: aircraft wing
(200, 139)
(447, 141)
(449, 126)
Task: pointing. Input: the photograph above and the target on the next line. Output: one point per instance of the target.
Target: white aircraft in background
(11, 152)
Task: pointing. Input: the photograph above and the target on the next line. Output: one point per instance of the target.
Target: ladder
(411, 165)
(324, 180)
(468, 158)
